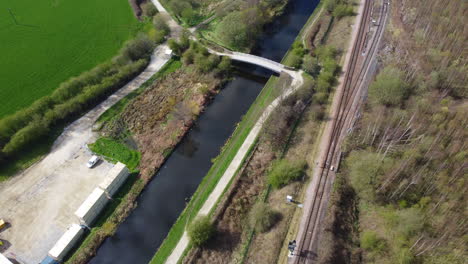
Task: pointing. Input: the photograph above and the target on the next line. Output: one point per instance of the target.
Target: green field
(43, 43)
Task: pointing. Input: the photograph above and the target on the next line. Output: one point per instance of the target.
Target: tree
(262, 217)
(200, 231)
(285, 171)
(159, 23)
(240, 28)
(364, 168)
(139, 48)
(311, 65)
(148, 9)
(388, 88)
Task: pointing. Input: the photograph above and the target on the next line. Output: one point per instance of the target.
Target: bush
(285, 171)
(26, 135)
(200, 231)
(160, 24)
(389, 88)
(311, 65)
(148, 9)
(295, 61)
(174, 46)
(139, 48)
(262, 217)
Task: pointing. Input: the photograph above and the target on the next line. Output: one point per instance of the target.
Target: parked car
(3, 224)
(93, 161)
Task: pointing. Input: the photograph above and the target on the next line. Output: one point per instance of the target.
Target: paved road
(40, 202)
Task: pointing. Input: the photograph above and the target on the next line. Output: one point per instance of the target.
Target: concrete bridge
(256, 60)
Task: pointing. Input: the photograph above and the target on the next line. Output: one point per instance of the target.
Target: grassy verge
(266, 96)
(171, 66)
(115, 151)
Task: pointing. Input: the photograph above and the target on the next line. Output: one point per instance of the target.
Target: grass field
(115, 151)
(44, 43)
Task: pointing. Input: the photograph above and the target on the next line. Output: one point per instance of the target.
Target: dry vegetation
(158, 118)
(401, 197)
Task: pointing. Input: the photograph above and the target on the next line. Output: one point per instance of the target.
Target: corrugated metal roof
(64, 242)
(89, 202)
(4, 260)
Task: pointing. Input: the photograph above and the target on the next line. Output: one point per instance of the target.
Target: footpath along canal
(164, 198)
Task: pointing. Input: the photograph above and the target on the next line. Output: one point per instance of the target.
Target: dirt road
(41, 201)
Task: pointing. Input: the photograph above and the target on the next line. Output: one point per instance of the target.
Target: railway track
(361, 56)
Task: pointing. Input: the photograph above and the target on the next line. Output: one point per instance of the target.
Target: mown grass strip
(266, 96)
(115, 151)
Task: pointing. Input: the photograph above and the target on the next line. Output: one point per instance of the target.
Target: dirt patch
(231, 220)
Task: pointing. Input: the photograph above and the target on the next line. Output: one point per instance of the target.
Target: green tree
(311, 65)
(200, 231)
(389, 88)
(148, 9)
(363, 170)
(159, 23)
(239, 29)
(370, 241)
(138, 48)
(284, 171)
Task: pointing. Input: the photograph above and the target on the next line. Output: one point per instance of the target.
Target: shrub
(188, 56)
(26, 135)
(200, 231)
(262, 217)
(175, 47)
(148, 9)
(138, 48)
(225, 64)
(295, 61)
(285, 171)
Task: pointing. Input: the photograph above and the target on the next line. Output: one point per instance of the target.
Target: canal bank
(163, 199)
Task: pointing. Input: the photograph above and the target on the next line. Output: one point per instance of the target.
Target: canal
(160, 204)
